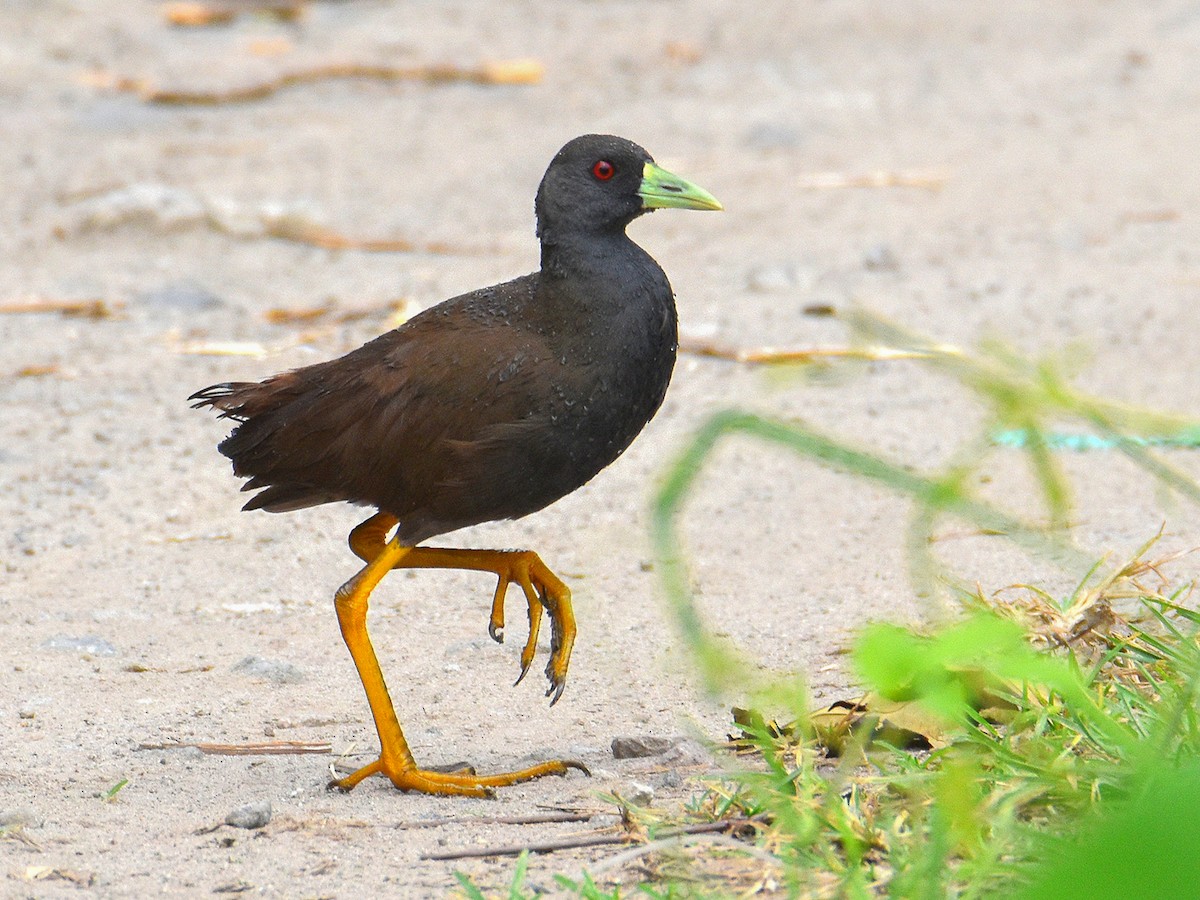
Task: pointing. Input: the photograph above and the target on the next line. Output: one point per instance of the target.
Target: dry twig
(281, 316)
(88, 309)
(52, 873)
(591, 840)
(200, 15)
(534, 819)
(17, 834)
(269, 748)
(168, 208)
(225, 348)
(36, 371)
(329, 239)
(502, 72)
(625, 857)
(771, 355)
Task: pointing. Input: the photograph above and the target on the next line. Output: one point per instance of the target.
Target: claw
(496, 619)
(525, 664)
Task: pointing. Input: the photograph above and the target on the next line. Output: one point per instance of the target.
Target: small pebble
(141, 203)
(181, 297)
(251, 815)
(670, 779)
(688, 752)
(270, 669)
(775, 279)
(465, 648)
(772, 136)
(880, 258)
(639, 794)
(639, 746)
(89, 644)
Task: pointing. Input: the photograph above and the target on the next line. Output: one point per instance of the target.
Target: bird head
(599, 183)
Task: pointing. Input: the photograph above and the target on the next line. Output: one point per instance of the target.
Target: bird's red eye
(603, 170)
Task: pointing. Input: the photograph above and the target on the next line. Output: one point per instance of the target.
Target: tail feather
(288, 497)
(229, 397)
(263, 410)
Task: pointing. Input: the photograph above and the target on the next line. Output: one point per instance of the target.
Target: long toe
(461, 782)
(552, 767)
(348, 783)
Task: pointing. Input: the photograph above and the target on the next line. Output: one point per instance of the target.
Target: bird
(488, 406)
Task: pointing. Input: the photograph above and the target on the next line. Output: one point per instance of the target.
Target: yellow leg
(369, 538)
(542, 588)
(395, 759)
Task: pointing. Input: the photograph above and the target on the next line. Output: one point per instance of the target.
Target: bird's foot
(461, 783)
(543, 590)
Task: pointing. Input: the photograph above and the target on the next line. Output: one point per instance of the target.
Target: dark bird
(488, 406)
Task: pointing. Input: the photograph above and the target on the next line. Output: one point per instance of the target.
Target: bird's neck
(586, 255)
(607, 287)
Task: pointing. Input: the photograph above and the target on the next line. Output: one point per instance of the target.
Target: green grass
(110, 796)
(1061, 736)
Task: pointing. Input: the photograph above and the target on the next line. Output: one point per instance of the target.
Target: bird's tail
(231, 398)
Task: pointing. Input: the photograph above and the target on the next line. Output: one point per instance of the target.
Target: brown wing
(445, 422)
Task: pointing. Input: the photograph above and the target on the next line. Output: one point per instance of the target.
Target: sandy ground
(131, 587)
